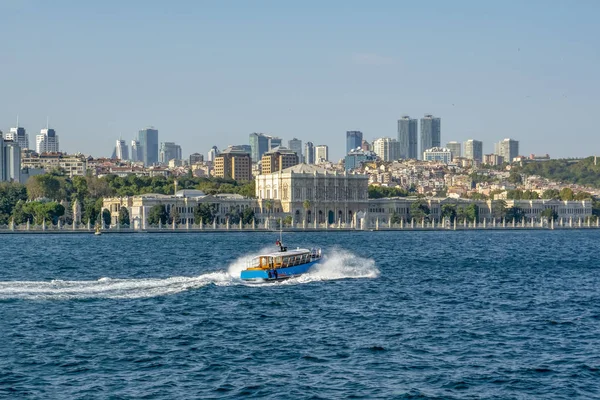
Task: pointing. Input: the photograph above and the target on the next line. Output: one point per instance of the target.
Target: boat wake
(108, 288)
(337, 264)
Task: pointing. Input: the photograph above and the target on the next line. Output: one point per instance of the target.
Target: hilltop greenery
(581, 172)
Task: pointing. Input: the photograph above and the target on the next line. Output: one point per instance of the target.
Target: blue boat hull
(277, 273)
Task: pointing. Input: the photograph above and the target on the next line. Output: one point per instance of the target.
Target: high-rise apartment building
(136, 151)
(46, 142)
(431, 132)
(19, 136)
(407, 137)
(309, 153)
(278, 159)
(121, 150)
(233, 164)
(493, 159)
(455, 149)
(321, 153)
(148, 139)
(474, 150)
(169, 151)
(508, 149)
(387, 149)
(10, 161)
(296, 146)
(353, 140)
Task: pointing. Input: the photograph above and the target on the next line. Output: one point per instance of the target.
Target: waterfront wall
(272, 225)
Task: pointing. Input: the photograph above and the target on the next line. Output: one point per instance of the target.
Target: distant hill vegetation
(581, 172)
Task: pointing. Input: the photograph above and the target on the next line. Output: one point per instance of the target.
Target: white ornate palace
(312, 194)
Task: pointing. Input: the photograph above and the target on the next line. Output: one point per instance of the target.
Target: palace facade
(313, 194)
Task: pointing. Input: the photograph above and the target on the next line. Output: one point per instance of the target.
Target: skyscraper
(46, 141)
(321, 153)
(10, 161)
(19, 136)
(169, 151)
(136, 151)
(387, 149)
(274, 142)
(407, 137)
(296, 146)
(431, 129)
(353, 140)
(455, 149)
(148, 139)
(259, 143)
(474, 150)
(121, 150)
(507, 148)
(212, 154)
(309, 153)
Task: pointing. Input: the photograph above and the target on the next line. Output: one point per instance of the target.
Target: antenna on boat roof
(280, 230)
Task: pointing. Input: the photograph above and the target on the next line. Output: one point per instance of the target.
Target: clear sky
(210, 72)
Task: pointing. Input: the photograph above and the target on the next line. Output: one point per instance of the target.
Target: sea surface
(390, 315)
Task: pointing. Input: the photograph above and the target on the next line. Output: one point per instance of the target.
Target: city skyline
(517, 77)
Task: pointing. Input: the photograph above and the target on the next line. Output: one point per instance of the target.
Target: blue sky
(209, 73)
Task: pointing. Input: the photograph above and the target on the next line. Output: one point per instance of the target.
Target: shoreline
(262, 230)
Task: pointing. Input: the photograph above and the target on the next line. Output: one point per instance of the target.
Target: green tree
(515, 213)
(248, 190)
(248, 215)
(419, 210)
(306, 205)
(157, 214)
(514, 194)
(269, 206)
(566, 194)
(498, 209)
(396, 218)
(106, 217)
(550, 214)
(472, 212)
(478, 196)
(174, 215)
(530, 195)
(551, 194)
(124, 217)
(449, 212)
(582, 196)
(515, 178)
(287, 221)
(204, 213)
(43, 186)
(10, 195)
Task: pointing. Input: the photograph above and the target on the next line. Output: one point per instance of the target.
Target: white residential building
(387, 149)
(46, 141)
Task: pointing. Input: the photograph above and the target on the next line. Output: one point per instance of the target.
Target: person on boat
(281, 246)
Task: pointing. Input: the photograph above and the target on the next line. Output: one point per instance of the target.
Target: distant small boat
(98, 231)
(280, 265)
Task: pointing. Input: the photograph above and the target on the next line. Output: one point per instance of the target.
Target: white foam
(109, 288)
(338, 264)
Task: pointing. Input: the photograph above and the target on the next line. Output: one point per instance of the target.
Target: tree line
(46, 197)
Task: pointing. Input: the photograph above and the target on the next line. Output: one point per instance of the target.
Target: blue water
(387, 315)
